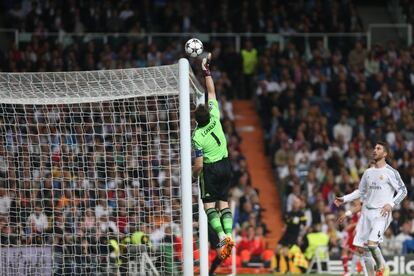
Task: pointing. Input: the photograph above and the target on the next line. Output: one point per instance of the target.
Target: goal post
(186, 183)
(187, 179)
(95, 172)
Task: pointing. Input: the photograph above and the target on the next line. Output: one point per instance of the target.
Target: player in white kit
(380, 189)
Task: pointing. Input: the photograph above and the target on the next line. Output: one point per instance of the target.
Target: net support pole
(185, 149)
(233, 252)
(202, 219)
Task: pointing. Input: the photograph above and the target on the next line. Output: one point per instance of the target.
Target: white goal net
(90, 172)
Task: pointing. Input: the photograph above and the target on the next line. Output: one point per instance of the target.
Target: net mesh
(90, 172)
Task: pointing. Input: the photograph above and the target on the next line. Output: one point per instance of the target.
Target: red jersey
(350, 231)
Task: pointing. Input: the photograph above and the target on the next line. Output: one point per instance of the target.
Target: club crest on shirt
(381, 177)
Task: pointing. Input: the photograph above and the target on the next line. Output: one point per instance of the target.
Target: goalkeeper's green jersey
(209, 141)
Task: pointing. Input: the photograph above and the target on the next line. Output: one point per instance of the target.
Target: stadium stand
(322, 117)
(321, 112)
(407, 8)
(166, 16)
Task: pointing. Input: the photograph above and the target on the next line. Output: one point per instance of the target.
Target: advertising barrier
(26, 261)
(401, 264)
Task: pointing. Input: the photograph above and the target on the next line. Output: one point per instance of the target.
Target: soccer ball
(194, 47)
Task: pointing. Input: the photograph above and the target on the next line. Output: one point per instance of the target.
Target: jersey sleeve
(198, 149)
(352, 196)
(214, 108)
(399, 186)
(360, 192)
(363, 186)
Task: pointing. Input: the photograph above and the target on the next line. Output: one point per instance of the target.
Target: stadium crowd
(322, 117)
(245, 16)
(407, 8)
(322, 113)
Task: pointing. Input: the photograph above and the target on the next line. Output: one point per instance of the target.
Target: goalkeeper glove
(205, 65)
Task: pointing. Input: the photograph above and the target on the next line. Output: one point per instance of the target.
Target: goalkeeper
(213, 165)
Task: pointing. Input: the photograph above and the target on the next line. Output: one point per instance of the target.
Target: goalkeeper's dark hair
(202, 115)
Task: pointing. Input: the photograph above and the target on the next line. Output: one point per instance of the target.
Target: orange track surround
(249, 128)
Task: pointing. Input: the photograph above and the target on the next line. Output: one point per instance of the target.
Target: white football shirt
(379, 186)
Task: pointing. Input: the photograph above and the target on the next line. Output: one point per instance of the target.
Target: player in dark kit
(213, 166)
(294, 221)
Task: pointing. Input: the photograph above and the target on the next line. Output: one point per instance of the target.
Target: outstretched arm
(197, 167)
(339, 200)
(358, 193)
(205, 66)
(352, 196)
(210, 88)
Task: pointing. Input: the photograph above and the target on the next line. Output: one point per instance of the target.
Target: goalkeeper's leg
(214, 220)
(215, 187)
(209, 195)
(227, 224)
(226, 242)
(227, 221)
(214, 241)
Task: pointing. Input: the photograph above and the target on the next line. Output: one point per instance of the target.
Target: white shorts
(371, 226)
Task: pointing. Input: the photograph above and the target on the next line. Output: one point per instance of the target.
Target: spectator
(107, 225)
(371, 64)
(282, 158)
(252, 247)
(395, 222)
(88, 223)
(102, 209)
(389, 246)
(250, 59)
(404, 235)
(342, 129)
(383, 96)
(37, 223)
(5, 202)
(357, 56)
(293, 197)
